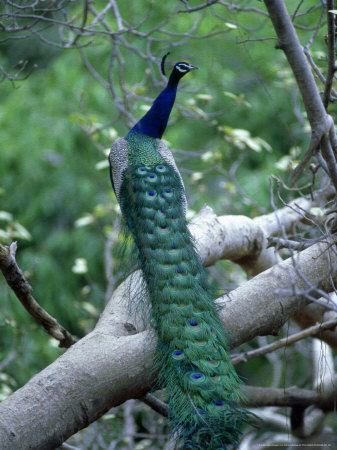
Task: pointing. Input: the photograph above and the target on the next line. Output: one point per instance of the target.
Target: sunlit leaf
(84, 221)
(6, 216)
(102, 164)
(80, 266)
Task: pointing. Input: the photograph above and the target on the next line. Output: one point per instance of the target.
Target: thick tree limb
(22, 289)
(105, 369)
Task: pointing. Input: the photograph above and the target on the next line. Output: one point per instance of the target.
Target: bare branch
(319, 120)
(22, 289)
(331, 52)
(312, 331)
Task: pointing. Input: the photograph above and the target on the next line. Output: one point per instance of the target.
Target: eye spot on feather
(152, 178)
(219, 404)
(163, 229)
(178, 355)
(197, 377)
(171, 286)
(180, 270)
(194, 324)
(141, 171)
(200, 343)
(161, 169)
(168, 193)
(214, 363)
(151, 195)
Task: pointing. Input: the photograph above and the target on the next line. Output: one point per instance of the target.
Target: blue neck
(155, 120)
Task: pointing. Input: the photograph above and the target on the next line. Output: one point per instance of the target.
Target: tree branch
(22, 289)
(319, 120)
(311, 331)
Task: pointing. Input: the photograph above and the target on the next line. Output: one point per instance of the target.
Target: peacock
(192, 358)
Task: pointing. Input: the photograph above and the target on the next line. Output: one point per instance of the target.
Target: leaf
(207, 156)
(6, 216)
(318, 212)
(84, 221)
(206, 97)
(80, 266)
(102, 164)
(241, 138)
(20, 232)
(89, 307)
(196, 176)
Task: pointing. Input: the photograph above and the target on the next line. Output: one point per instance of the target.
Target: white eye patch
(183, 67)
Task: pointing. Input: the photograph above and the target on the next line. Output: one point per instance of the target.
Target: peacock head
(183, 67)
(179, 70)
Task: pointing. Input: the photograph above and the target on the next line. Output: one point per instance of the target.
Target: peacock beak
(193, 67)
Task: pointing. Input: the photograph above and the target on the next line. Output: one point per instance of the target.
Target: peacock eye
(219, 404)
(193, 323)
(141, 171)
(197, 377)
(177, 355)
(168, 193)
(161, 169)
(152, 177)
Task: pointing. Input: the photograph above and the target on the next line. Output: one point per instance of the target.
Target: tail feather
(192, 354)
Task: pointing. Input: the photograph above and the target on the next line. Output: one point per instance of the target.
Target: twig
(331, 52)
(10, 357)
(156, 404)
(22, 289)
(311, 331)
(287, 243)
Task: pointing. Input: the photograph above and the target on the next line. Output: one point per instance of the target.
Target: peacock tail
(191, 356)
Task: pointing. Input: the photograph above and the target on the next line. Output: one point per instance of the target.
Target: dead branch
(320, 122)
(311, 331)
(23, 290)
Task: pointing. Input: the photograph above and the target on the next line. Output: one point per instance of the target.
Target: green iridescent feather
(192, 355)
